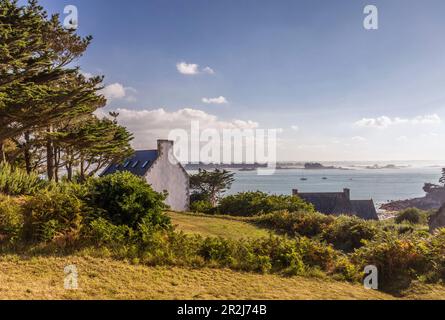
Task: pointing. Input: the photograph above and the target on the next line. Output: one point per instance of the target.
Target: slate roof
(138, 164)
(339, 203)
(334, 203)
(365, 209)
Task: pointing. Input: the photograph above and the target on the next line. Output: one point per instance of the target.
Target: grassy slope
(215, 226)
(43, 278)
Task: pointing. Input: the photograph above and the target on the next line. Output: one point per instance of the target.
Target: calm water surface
(382, 185)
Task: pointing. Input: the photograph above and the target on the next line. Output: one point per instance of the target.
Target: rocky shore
(425, 203)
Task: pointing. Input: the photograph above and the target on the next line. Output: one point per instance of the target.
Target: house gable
(339, 203)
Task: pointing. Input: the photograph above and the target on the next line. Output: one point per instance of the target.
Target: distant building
(162, 171)
(338, 203)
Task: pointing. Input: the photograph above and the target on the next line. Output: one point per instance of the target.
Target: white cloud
(358, 139)
(191, 69)
(219, 100)
(208, 70)
(385, 122)
(428, 119)
(187, 68)
(295, 128)
(118, 91)
(150, 125)
(402, 139)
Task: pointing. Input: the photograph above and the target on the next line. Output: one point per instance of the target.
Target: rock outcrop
(432, 201)
(437, 220)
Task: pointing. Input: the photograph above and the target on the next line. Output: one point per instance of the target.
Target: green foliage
(210, 186)
(202, 206)
(38, 86)
(103, 232)
(350, 233)
(15, 181)
(412, 215)
(56, 212)
(435, 253)
(309, 224)
(249, 204)
(11, 219)
(345, 233)
(399, 259)
(95, 141)
(125, 199)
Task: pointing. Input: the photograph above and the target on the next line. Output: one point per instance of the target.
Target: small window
(135, 164)
(145, 164)
(126, 164)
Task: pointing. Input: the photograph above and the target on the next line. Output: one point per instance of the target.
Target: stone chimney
(347, 193)
(164, 146)
(165, 150)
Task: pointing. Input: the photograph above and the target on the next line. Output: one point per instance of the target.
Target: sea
(381, 181)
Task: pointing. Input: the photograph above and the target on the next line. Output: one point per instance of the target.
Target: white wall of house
(167, 174)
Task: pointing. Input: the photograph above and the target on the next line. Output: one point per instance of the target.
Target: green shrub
(256, 203)
(55, 212)
(15, 181)
(308, 224)
(411, 215)
(436, 255)
(11, 219)
(202, 206)
(345, 233)
(125, 199)
(348, 233)
(103, 232)
(399, 259)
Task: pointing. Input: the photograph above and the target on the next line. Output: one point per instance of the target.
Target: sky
(309, 68)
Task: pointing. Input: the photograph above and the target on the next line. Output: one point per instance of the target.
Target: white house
(162, 171)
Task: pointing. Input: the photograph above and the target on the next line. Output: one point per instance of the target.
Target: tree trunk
(49, 155)
(82, 169)
(26, 153)
(56, 163)
(3, 153)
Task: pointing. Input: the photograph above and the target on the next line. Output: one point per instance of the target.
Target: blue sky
(337, 91)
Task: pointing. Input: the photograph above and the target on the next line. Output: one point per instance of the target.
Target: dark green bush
(399, 259)
(55, 212)
(411, 215)
(348, 233)
(125, 199)
(345, 233)
(249, 204)
(16, 181)
(11, 219)
(202, 206)
(308, 224)
(103, 232)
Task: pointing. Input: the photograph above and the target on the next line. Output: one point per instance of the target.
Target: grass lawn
(215, 226)
(43, 278)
